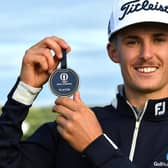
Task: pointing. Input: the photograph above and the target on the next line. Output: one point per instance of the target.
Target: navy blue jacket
(142, 140)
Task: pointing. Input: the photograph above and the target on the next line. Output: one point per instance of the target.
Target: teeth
(147, 70)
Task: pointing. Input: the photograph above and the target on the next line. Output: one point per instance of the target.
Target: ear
(113, 52)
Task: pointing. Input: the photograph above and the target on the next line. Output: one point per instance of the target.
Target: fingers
(76, 97)
(41, 56)
(67, 102)
(62, 111)
(66, 106)
(54, 43)
(74, 121)
(44, 47)
(38, 62)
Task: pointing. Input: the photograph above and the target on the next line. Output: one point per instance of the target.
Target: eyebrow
(136, 36)
(131, 37)
(160, 34)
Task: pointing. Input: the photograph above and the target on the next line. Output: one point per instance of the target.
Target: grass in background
(36, 117)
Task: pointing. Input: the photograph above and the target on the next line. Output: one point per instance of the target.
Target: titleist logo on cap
(137, 5)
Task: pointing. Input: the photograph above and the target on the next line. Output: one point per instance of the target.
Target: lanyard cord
(64, 60)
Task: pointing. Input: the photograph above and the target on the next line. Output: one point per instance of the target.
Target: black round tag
(64, 82)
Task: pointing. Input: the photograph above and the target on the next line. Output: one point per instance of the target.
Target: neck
(139, 98)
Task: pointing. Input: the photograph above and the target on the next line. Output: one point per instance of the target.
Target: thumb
(76, 96)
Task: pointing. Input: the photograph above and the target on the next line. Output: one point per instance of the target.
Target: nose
(146, 50)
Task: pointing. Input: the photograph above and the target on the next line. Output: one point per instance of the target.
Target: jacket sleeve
(15, 153)
(103, 155)
(39, 150)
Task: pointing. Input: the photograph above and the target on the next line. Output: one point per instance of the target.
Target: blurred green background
(36, 117)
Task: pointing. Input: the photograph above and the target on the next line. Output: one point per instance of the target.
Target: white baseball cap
(129, 12)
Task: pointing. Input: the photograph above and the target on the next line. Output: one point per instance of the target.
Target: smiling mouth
(146, 69)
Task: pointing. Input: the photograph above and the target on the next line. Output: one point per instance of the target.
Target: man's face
(142, 52)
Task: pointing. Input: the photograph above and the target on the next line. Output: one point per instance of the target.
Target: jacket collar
(155, 110)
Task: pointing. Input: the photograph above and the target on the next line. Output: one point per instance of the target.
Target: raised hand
(38, 62)
(76, 122)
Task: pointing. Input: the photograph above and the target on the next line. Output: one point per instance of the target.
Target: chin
(148, 89)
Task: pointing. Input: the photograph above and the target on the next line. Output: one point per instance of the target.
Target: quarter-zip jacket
(141, 140)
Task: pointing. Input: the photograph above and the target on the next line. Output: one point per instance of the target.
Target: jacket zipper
(134, 140)
(136, 130)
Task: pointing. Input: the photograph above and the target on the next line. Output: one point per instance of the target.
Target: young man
(132, 132)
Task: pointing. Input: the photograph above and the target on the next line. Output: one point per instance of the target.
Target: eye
(132, 42)
(159, 39)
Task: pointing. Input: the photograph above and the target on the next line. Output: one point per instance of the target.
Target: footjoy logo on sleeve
(139, 5)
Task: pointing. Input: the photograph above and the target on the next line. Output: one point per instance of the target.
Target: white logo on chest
(160, 108)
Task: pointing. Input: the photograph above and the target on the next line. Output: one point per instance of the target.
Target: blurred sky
(83, 24)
